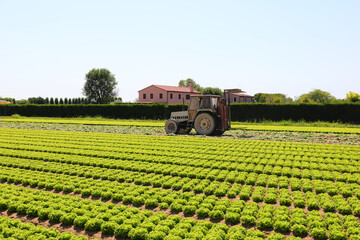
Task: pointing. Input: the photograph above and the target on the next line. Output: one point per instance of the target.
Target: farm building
(241, 98)
(166, 94)
(4, 102)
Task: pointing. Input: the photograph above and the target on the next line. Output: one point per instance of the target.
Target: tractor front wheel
(171, 127)
(204, 124)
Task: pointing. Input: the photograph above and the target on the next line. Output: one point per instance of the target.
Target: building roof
(4, 102)
(173, 89)
(242, 95)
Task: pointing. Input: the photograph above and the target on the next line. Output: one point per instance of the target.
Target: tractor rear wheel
(171, 127)
(205, 124)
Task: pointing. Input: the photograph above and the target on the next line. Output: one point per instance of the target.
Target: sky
(280, 46)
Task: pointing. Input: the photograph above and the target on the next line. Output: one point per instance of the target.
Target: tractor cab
(202, 103)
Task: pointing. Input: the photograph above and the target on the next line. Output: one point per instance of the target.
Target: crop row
(123, 221)
(15, 229)
(161, 124)
(140, 123)
(266, 166)
(186, 202)
(134, 172)
(259, 127)
(245, 176)
(229, 148)
(170, 154)
(289, 160)
(118, 220)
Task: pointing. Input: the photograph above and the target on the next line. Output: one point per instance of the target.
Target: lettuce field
(80, 185)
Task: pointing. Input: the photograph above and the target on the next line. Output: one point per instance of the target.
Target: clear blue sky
(281, 46)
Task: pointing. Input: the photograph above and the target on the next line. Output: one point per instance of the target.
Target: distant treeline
(47, 100)
(341, 112)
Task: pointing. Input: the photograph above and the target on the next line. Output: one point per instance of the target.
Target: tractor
(208, 114)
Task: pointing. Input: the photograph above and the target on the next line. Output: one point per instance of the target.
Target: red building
(166, 94)
(241, 98)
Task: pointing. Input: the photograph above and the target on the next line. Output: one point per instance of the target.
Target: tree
(61, 101)
(65, 101)
(51, 100)
(212, 91)
(352, 97)
(22, 101)
(186, 83)
(272, 98)
(316, 96)
(36, 100)
(47, 100)
(100, 86)
(56, 101)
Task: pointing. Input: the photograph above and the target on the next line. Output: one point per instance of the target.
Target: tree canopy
(36, 100)
(100, 86)
(197, 87)
(212, 91)
(316, 96)
(352, 97)
(272, 98)
(186, 83)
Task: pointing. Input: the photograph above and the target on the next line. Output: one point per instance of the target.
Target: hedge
(340, 112)
(344, 112)
(123, 111)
